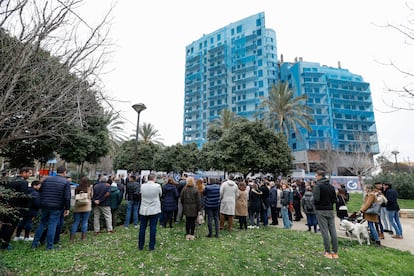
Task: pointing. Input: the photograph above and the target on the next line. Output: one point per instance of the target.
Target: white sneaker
(28, 239)
(18, 238)
(136, 226)
(250, 226)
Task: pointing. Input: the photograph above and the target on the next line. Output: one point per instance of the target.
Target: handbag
(375, 209)
(81, 199)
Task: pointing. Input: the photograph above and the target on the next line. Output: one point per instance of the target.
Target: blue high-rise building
(235, 67)
(231, 68)
(343, 131)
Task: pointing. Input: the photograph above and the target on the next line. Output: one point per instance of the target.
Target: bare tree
(405, 94)
(50, 59)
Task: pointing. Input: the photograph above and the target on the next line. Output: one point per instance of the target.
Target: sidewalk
(406, 244)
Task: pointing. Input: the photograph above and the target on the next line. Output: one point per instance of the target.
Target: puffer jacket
(55, 193)
(170, 197)
(212, 196)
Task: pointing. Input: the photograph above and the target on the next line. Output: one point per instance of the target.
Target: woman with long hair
(191, 201)
(81, 212)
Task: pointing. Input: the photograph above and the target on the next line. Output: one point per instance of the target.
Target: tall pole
(138, 108)
(395, 152)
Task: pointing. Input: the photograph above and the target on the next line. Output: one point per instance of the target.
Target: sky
(148, 60)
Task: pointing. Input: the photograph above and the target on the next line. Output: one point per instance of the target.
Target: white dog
(356, 230)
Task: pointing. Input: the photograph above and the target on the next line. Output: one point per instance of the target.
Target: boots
(381, 236)
(72, 237)
(83, 237)
(378, 243)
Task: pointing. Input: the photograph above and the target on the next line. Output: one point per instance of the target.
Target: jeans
(394, 218)
(213, 214)
(252, 216)
(26, 224)
(384, 219)
(133, 207)
(287, 223)
(153, 231)
(264, 217)
(326, 220)
(49, 218)
(77, 217)
(373, 230)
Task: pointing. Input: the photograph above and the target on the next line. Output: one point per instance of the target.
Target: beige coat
(241, 203)
(368, 201)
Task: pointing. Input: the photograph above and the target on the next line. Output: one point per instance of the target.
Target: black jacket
(55, 193)
(324, 195)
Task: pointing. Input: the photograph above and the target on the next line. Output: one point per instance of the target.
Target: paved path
(406, 244)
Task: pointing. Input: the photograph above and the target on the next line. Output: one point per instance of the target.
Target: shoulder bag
(375, 209)
(81, 199)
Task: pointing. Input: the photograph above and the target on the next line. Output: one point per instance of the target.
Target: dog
(356, 230)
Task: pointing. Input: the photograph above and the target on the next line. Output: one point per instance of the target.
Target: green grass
(264, 251)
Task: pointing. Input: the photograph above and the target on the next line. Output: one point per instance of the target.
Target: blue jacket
(170, 197)
(212, 196)
(55, 193)
(35, 202)
(100, 191)
(273, 196)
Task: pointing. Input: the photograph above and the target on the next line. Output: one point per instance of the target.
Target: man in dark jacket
(273, 203)
(102, 205)
(133, 190)
(324, 197)
(212, 205)
(54, 198)
(393, 210)
(19, 203)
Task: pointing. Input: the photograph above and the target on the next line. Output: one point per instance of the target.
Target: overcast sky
(148, 62)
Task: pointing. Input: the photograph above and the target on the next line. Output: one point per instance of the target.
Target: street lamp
(138, 108)
(395, 152)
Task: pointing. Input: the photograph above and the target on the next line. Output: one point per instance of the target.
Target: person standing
(369, 199)
(228, 196)
(169, 205)
(54, 199)
(82, 212)
(116, 199)
(26, 222)
(241, 205)
(133, 189)
(284, 201)
(393, 210)
(273, 198)
(102, 201)
(324, 197)
(151, 193)
(191, 201)
(212, 205)
(309, 209)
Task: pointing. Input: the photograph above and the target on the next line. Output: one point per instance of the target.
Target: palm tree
(226, 119)
(115, 129)
(149, 134)
(285, 111)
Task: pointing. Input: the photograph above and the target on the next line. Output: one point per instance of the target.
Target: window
(218, 37)
(258, 22)
(239, 29)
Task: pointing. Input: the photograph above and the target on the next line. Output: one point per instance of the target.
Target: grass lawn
(264, 251)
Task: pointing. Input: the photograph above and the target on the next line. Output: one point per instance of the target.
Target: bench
(407, 213)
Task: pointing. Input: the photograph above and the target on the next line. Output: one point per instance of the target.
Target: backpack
(308, 206)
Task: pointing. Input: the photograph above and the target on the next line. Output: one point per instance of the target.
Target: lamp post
(138, 108)
(395, 152)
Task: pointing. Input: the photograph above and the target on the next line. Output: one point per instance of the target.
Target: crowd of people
(151, 200)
